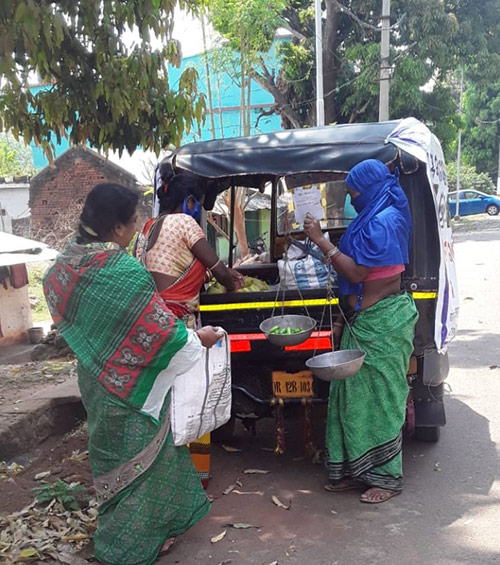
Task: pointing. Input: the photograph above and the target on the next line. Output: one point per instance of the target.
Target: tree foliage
(429, 39)
(470, 179)
(15, 157)
(481, 137)
(249, 26)
(100, 88)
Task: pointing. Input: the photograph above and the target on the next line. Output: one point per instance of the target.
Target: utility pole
(320, 103)
(459, 144)
(385, 68)
(498, 173)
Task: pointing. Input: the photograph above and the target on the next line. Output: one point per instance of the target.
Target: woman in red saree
(174, 249)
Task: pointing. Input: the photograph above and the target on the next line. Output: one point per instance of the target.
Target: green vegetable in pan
(276, 330)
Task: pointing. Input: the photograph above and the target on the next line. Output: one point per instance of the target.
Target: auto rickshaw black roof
(253, 161)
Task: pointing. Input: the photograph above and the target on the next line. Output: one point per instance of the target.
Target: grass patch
(39, 308)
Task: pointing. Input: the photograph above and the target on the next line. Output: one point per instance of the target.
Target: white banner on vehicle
(415, 138)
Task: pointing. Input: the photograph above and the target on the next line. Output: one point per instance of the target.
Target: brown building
(57, 193)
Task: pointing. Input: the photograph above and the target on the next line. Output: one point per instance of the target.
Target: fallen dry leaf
(28, 553)
(229, 489)
(239, 483)
(259, 492)
(242, 526)
(71, 559)
(40, 476)
(230, 449)
(280, 504)
(255, 472)
(9, 471)
(42, 534)
(75, 537)
(218, 537)
(77, 456)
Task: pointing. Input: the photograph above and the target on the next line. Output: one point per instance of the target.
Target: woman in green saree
(366, 413)
(129, 348)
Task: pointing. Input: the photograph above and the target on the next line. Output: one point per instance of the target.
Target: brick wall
(57, 193)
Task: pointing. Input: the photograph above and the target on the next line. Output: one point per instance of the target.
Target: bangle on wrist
(214, 265)
(338, 325)
(332, 253)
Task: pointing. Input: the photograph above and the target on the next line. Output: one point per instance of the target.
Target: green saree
(366, 413)
(126, 341)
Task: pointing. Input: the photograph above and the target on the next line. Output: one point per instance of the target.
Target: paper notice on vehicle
(307, 200)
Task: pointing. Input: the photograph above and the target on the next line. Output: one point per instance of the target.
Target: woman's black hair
(106, 206)
(172, 193)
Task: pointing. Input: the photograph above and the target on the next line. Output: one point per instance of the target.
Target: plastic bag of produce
(302, 270)
(201, 397)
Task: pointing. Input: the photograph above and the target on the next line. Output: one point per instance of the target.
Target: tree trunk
(239, 222)
(239, 217)
(329, 60)
(266, 80)
(209, 86)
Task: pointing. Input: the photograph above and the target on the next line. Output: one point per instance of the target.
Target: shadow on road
(465, 465)
(447, 485)
(475, 349)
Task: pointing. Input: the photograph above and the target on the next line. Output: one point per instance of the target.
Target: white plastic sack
(201, 397)
(303, 271)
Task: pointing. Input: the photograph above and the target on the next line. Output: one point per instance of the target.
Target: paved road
(449, 513)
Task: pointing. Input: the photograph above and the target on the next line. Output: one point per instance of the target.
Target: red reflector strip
(246, 337)
(241, 343)
(240, 346)
(262, 337)
(311, 343)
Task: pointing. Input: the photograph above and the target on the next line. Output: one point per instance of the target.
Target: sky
(187, 30)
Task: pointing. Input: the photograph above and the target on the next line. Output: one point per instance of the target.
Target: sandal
(344, 485)
(376, 495)
(167, 546)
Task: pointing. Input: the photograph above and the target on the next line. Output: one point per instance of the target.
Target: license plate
(293, 385)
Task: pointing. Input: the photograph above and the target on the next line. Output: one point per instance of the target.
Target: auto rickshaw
(280, 163)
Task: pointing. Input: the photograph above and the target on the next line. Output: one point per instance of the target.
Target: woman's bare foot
(343, 485)
(376, 495)
(167, 546)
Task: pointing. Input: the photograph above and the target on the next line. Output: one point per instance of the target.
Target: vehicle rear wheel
(430, 434)
(492, 210)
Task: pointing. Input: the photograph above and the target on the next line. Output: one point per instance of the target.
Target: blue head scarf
(380, 234)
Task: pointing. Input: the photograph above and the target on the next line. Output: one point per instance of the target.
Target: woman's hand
(209, 336)
(238, 279)
(312, 228)
(337, 335)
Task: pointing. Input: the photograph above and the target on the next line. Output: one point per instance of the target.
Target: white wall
(15, 312)
(14, 199)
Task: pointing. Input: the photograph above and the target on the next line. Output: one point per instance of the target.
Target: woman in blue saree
(366, 413)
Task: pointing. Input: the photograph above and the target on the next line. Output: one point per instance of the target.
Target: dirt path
(20, 382)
